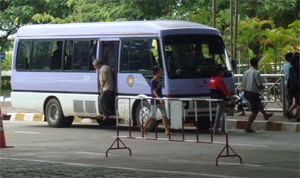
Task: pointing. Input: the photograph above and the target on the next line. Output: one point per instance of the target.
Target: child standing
(241, 102)
(156, 92)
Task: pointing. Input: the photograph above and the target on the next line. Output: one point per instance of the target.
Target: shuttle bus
(52, 69)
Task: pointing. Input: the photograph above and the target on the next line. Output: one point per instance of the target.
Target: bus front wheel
(54, 115)
(143, 113)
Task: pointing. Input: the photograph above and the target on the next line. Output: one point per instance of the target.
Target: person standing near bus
(289, 98)
(252, 84)
(293, 83)
(219, 90)
(156, 92)
(107, 89)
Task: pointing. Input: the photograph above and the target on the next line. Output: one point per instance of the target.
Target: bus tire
(54, 114)
(145, 111)
(68, 121)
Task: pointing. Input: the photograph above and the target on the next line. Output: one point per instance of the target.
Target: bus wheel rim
(53, 113)
(144, 114)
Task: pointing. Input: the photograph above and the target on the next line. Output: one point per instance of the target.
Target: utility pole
(231, 30)
(214, 14)
(235, 29)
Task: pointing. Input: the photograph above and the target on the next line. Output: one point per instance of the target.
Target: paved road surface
(79, 151)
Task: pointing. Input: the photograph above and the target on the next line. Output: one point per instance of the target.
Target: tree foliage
(6, 64)
(266, 28)
(16, 13)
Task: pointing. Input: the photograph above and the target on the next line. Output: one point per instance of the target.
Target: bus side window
(81, 55)
(42, 55)
(139, 55)
(68, 58)
(57, 48)
(124, 62)
(23, 55)
(93, 53)
(155, 52)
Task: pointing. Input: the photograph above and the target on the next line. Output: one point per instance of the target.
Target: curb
(263, 125)
(3, 98)
(232, 123)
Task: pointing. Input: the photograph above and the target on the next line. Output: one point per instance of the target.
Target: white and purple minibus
(52, 69)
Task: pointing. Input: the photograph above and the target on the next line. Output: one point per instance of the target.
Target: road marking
(125, 168)
(237, 144)
(91, 153)
(27, 132)
(254, 165)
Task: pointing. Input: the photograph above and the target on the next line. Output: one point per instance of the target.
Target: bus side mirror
(233, 64)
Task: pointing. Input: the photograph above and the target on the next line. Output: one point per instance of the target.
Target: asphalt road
(79, 151)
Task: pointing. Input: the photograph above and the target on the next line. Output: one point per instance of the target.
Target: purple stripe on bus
(55, 81)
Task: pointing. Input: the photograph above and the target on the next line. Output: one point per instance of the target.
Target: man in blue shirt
(286, 67)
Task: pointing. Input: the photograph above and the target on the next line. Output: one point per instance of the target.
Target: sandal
(249, 131)
(270, 115)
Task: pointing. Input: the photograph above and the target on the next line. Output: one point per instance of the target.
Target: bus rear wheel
(144, 113)
(54, 115)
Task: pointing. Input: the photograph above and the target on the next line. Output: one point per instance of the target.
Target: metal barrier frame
(227, 147)
(278, 88)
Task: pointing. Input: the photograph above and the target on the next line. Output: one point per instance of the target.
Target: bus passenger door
(109, 48)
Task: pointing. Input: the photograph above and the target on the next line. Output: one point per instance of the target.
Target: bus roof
(126, 28)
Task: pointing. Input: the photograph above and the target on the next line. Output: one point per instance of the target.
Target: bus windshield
(194, 56)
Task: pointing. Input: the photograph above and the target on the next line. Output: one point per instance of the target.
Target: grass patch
(5, 92)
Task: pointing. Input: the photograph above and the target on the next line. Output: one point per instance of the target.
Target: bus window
(81, 55)
(205, 51)
(93, 53)
(57, 48)
(68, 57)
(139, 55)
(42, 52)
(23, 56)
(194, 56)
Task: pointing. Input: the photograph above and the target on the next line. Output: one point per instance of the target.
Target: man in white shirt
(107, 89)
(252, 83)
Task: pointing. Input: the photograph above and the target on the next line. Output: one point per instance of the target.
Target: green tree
(16, 13)
(279, 11)
(278, 42)
(6, 64)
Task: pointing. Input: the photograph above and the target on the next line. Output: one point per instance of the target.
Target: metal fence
(273, 96)
(227, 151)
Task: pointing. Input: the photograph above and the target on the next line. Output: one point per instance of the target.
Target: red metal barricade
(227, 147)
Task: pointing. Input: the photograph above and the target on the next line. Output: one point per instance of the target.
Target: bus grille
(90, 107)
(78, 106)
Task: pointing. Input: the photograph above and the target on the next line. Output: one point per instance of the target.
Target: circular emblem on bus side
(130, 81)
